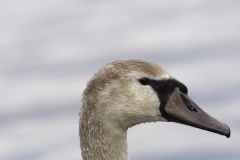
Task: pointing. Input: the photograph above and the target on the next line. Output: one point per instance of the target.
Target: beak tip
(228, 134)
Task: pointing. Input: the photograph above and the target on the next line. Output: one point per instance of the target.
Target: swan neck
(102, 142)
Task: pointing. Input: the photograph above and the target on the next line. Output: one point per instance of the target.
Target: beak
(181, 109)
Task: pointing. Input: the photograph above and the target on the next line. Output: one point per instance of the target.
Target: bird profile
(125, 93)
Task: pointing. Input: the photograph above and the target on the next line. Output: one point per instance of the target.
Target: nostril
(189, 105)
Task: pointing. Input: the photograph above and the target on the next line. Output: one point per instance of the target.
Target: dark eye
(144, 81)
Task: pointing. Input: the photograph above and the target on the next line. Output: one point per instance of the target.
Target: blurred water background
(49, 49)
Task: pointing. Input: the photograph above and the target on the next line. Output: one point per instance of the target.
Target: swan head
(128, 92)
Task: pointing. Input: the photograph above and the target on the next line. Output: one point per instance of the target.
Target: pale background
(49, 49)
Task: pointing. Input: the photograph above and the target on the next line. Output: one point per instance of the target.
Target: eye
(144, 81)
